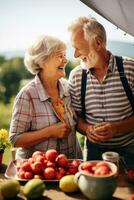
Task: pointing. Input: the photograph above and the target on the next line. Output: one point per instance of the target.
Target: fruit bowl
(97, 179)
(12, 169)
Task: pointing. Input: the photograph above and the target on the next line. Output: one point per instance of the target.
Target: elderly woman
(42, 116)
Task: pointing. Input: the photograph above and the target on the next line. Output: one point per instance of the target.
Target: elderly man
(100, 97)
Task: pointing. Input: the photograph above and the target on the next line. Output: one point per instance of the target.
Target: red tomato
(72, 169)
(40, 158)
(50, 164)
(38, 176)
(49, 173)
(37, 153)
(37, 167)
(62, 160)
(51, 155)
(21, 174)
(58, 175)
(61, 170)
(31, 160)
(26, 166)
(88, 167)
(102, 163)
(76, 163)
(45, 163)
(102, 170)
(28, 175)
(130, 174)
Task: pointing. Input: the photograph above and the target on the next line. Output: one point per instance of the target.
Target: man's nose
(76, 53)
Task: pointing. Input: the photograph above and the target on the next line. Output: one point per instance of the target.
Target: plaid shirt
(33, 110)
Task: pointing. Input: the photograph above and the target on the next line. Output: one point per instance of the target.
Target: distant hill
(116, 47)
(121, 48)
(11, 54)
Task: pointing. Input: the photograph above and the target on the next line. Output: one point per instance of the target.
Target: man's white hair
(42, 49)
(90, 26)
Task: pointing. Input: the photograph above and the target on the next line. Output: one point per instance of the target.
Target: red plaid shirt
(33, 111)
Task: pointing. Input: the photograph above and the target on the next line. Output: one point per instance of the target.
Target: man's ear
(99, 43)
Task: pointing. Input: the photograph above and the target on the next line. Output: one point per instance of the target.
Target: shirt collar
(63, 87)
(43, 95)
(111, 65)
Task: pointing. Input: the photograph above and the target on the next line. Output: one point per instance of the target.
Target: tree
(2, 60)
(11, 73)
(70, 65)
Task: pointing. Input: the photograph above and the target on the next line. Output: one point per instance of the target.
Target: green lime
(34, 188)
(10, 188)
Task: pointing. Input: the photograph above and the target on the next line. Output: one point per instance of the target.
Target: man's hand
(101, 132)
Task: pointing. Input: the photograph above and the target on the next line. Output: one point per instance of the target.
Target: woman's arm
(31, 138)
(21, 133)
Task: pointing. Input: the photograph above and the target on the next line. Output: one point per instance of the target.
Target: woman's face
(55, 65)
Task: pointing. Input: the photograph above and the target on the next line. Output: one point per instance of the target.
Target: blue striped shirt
(106, 101)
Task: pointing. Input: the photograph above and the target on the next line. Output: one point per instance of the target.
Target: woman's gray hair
(42, 49)
(90, 27)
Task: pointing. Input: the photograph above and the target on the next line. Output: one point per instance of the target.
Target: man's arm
(82, 126)
(86, 129)
(125, 126)
(104, 131)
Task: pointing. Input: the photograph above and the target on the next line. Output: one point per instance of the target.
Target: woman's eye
(60, 56)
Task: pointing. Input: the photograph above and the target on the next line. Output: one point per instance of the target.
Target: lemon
(67, 184)
(10, 188)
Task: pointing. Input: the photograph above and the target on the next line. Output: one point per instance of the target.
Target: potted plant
(4, 142)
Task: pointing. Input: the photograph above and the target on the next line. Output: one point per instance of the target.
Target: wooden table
(52, 192)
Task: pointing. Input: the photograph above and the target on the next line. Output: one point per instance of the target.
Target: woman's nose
(65, 60)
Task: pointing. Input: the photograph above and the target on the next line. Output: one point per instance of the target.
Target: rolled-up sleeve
(21, 116)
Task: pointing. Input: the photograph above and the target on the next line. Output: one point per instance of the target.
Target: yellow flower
(3, 133)
(4, 141)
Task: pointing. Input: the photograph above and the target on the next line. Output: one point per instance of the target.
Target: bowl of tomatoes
(97, 179)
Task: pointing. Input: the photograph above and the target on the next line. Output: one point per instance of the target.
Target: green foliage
(2, 60)
(70, 65)
(81, 139)
(5, 114)
(7, 157)
(12, 71)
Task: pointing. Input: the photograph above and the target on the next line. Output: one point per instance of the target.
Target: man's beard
(91, 59)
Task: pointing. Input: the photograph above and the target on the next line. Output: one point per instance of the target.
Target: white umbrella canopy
(118, 12)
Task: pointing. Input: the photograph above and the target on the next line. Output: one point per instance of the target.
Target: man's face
(85, 50)
(81, 47)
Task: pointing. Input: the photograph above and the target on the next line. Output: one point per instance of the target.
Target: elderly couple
(49, 109)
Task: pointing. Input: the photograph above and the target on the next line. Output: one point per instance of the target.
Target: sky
(21, 21)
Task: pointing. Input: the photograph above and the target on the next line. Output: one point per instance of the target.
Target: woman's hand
(59, 130)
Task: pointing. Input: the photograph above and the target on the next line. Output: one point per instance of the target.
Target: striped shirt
(106, 101)
(33, 110)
